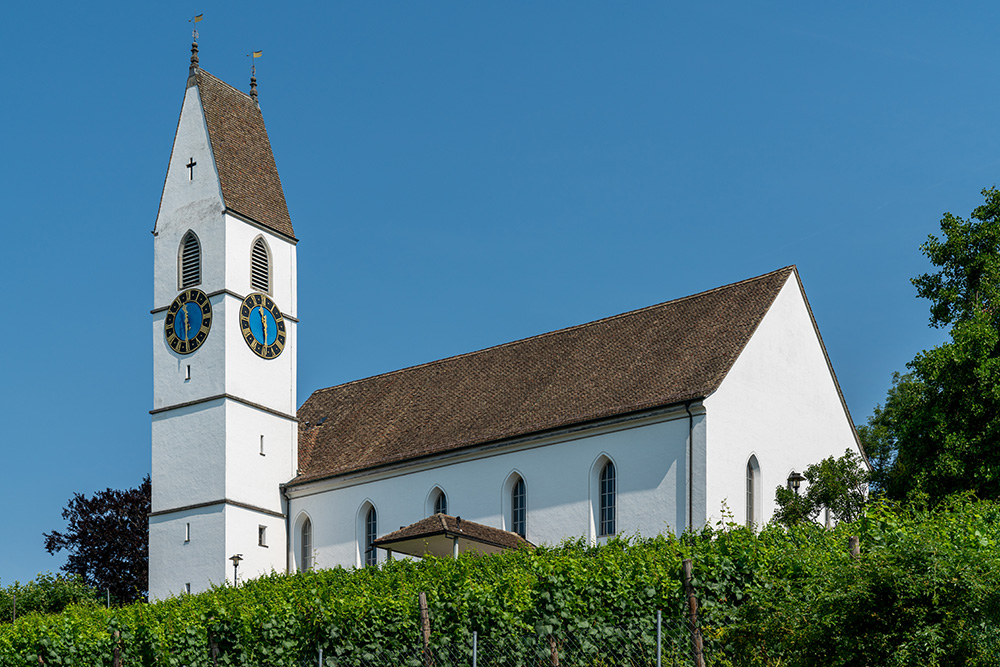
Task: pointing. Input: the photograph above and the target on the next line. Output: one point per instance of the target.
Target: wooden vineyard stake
(696, 644)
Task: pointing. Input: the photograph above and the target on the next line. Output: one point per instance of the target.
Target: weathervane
(195, 19)
(194, 41)
(253, 72)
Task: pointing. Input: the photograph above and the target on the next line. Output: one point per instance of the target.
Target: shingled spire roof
(247, 172)
(654, 357)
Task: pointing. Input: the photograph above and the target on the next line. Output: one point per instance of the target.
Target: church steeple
(241, 150)
(224, 431)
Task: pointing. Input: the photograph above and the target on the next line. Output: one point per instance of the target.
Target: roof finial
(253, 75)
(194, 42)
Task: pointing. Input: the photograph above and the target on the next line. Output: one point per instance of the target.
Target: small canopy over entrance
(442, 535)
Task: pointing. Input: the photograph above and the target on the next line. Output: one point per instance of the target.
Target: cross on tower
(190, 165)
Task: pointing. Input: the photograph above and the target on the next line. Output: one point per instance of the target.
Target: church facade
(650, 421)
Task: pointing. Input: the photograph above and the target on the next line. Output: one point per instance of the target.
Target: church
(651, 421)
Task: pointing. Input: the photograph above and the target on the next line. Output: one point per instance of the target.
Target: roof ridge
(791, 268)
(224, 83)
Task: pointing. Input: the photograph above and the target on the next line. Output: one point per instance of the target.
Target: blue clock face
(262, 325)
(188, 320)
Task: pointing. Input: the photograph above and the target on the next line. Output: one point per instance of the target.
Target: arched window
(608, 500)
(519, 508)
(753, 490)
(189, 262)
(260, 266)
(305, 545)
(371, 534)
(440, 502)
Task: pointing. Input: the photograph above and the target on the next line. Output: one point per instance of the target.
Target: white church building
(641, 423)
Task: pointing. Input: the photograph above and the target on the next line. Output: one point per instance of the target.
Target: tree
(108, 540)
(938, 432)
(969, 257)
(839, 485)
(47, 594)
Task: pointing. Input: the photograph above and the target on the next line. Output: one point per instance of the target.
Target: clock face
(188, 321)
(262, 325)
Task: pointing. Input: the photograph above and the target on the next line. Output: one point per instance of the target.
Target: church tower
(224, 431)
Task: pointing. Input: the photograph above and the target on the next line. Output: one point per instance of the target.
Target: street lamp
(795, 480)
(236, 566)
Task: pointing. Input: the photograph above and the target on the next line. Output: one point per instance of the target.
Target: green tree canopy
(938, 432)
(837, 484)
(969, 261)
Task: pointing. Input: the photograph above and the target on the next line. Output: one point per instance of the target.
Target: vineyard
(924, 590)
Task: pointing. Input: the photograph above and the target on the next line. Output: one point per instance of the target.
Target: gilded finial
(194, 42)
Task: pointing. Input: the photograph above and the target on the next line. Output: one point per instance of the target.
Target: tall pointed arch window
(519, 508)
(305, 545)
(260, 266)
(371, 534)
(189, 262)
(608, 489)
(440, 503)
(753, 490)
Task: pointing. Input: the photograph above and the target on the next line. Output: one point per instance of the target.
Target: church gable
(779, 409)
(657, 356)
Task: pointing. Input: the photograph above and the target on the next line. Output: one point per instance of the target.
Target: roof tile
(437, 524)
(654, 357)
(243, 156)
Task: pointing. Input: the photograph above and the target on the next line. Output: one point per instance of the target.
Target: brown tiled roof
(443, 524)
(657, 356)
(247, 172)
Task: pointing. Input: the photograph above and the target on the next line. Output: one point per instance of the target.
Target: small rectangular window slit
(187, 373)
(262, 445)
(262, 536)
(187, 588)
(187, 532)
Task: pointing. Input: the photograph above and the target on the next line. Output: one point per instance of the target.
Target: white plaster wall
(651, 470)
(189, 455)
(241, 538)
(239, 240)
(189, 204)
(268, 382)
(208, 367)
(174, 562)
(778, 402)
(217, 532)
(251, 478)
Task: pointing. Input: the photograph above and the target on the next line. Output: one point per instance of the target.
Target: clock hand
(187, 323)
(263, 324)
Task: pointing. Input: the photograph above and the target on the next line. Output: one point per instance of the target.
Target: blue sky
(461, 174)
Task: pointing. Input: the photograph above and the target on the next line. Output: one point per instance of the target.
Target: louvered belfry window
(190, 264)
(260, 267)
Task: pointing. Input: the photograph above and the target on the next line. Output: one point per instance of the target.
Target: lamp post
(236, 566)
(795, 480)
